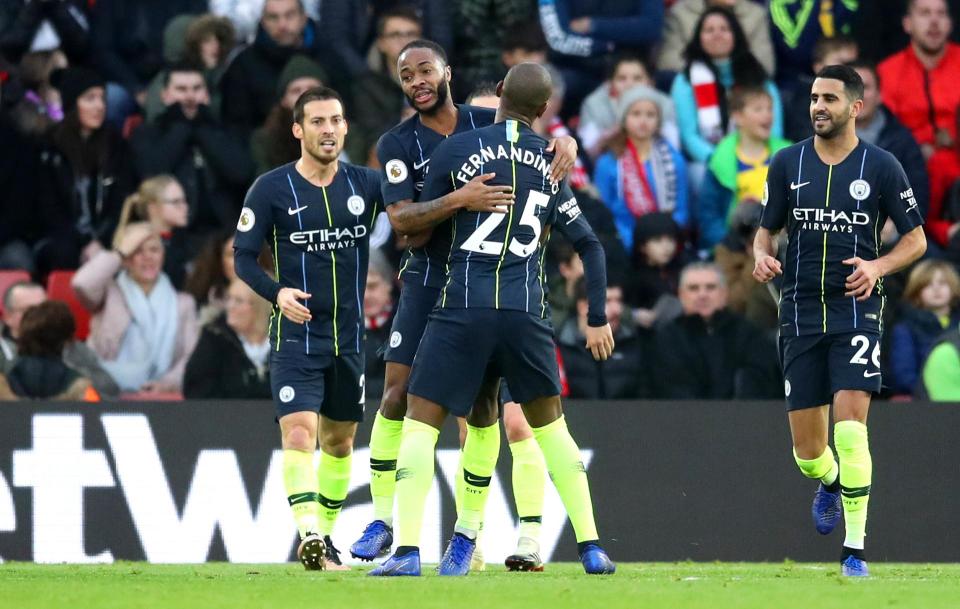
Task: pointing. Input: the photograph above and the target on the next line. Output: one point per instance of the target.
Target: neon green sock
(856, 473)
(529, 480)
(333, 482)
(299, 483)
(415, 466)
(384, 448)
(824, 468)
(569, 476)
(480, 453)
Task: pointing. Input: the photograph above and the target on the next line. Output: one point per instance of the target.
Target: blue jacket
(608, 181)
(614, 24)
(913, 337)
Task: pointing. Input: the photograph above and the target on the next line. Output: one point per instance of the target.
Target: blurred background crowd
(131, 129)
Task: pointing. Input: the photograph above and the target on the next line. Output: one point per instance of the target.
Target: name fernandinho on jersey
(829, 220)
(327, 239)
(521, 155)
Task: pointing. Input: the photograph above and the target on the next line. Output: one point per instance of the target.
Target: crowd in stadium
(130, 131)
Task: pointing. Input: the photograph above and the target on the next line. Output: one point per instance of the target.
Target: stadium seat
(59, 288)
(8, 278)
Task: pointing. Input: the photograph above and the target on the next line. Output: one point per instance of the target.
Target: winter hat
(639, 93)
(299, 66)
(653, 225)
(74, 82)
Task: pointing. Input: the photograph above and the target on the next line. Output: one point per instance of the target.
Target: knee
(336, 444)
(393, 404)
(299, 438)
(851, 438)
(515, 424)
(808, 450)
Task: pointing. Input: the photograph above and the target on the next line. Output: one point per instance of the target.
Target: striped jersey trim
(333, 266)
(823, 264)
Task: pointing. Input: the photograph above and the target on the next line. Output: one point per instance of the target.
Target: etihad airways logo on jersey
(327, 239)
(829, 220)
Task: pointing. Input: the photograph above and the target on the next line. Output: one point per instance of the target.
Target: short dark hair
(740, 95)
(402, 11)
(824, 46)
(320, 93)
(866, 64)
(852, 83)
(525, 35)
(423, 43)
(580, 292)
(180, 67)
(630, 57)
(484, 88)
(46, 329)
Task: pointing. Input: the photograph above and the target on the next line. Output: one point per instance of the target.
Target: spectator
(681, 21)
(273, 144)
(86, 172)
(620, 377)
(378, 98)
(941, 371)
(160, 202)
(491, 34)
(39, 370)
(641, 173)
(232, 357)
(378, 310)
(943, 219)
(930, 309)
(718, 59)
(710, 352)
(878, 126)
(734, 256)
(245, 15)
(737, 170)
(564, 282)
(31, 25)
(210, 161)
(18, 299)
(211, 275)
(658, 257)
(348, 24)
(797, 26)
(598, 114)
(919, 84)
(827, 52)
(581, 33)
(250, 83)
(142, 330)
(18, 183)
(174, 53)
(128, 45)
(35, 105)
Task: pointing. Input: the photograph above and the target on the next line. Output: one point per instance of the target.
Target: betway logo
(829, 220)
(58, 469)
(325, 239)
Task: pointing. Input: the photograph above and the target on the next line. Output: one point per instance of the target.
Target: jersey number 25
(477, 242)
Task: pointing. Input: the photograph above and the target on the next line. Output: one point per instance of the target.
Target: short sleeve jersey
(405, 153)
(320, 242)
(497, 260)
(832, 213)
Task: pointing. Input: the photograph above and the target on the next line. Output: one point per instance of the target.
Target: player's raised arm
(570, 222)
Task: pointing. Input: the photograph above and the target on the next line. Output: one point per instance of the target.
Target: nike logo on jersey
(417, 166)
(295, 211)
(867, 375)
(794, 186)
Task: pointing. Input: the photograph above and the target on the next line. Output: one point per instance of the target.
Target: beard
(443, 92)
(836, 127)
(321, 156)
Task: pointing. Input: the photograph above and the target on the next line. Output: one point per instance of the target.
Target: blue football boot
(408, 564)
(374, 543)
(826, 510)
(595, 561)
(456, 560)
(854, 567)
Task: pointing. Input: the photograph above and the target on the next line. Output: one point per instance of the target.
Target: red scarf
(636, 186)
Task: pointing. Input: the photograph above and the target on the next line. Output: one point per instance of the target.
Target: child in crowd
(657, 259)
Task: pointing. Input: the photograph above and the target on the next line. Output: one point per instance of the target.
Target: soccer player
(492, 310)
(405, 153)
(317, 214)
(833, 193)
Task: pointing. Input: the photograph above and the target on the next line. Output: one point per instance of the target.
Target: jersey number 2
(863, 343)
(477, 242)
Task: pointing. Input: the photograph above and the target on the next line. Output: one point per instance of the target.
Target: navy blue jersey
(319, 237)
(831, 213)
(405, 153)
(496, 260)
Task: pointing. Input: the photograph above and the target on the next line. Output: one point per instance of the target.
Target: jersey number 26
(477, 242)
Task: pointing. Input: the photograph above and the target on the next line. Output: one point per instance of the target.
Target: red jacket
(903, 89)
(944, 169)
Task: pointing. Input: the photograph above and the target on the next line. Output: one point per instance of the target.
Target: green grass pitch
(562, 586)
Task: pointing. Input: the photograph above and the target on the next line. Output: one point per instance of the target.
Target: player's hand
(600, 342)
(860, 283)
(767, 268)
(477, 195)
(288, 299)
(565, 155)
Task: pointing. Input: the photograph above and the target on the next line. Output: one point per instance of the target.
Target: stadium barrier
(199, 481)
